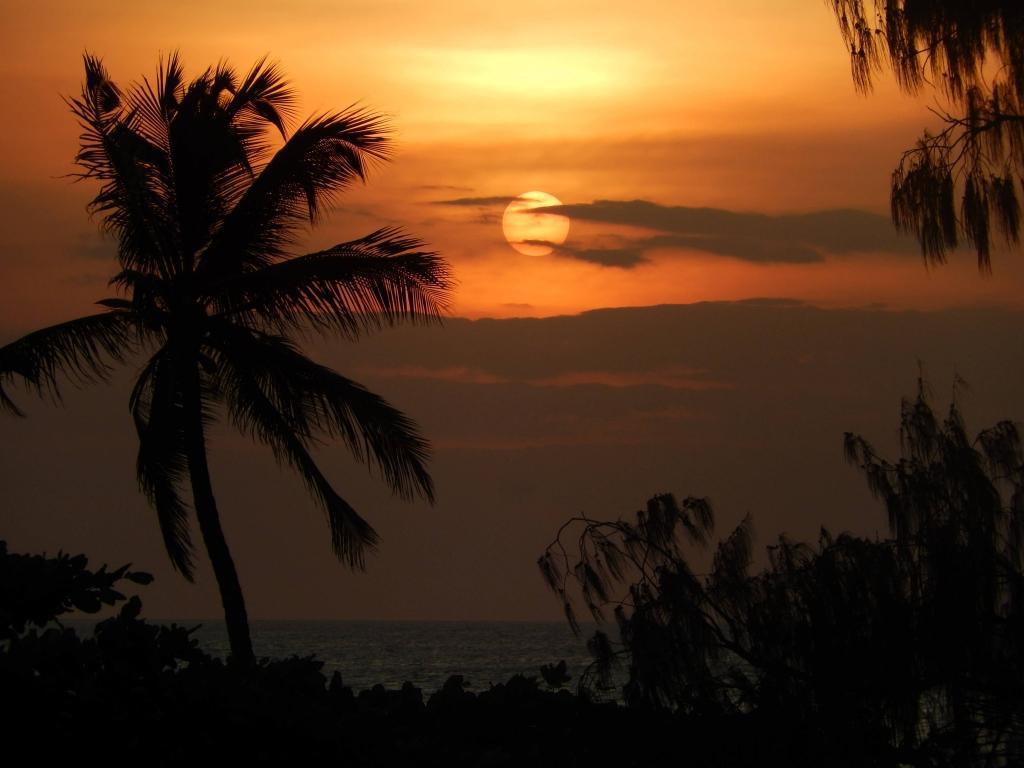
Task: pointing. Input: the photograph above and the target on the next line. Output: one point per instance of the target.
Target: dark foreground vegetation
(853, 652)
(140, 691)
(902, 651)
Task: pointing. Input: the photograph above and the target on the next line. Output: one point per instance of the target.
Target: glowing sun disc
(528, 231)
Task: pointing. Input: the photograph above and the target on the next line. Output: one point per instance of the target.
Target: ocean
(425, 653)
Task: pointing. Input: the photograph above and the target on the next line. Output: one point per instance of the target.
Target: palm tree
(205, 214)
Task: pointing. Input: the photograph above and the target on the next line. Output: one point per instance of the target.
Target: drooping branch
(381, 279)
(82, 350)
(315, 399)
(287, 435)
(157, 405)
(320, 159)
(959, 186)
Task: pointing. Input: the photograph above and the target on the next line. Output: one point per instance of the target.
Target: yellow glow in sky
(743, 106)
(531, 74)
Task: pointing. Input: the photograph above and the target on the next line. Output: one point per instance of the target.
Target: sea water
(425, 653)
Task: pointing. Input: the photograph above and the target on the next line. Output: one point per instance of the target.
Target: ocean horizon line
(179, 619)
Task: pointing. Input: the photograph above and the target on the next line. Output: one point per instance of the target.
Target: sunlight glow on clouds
(745, 107)
(532, 74)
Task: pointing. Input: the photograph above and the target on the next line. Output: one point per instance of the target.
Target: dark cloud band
(476, 202)
(793, 238)
(757, 237)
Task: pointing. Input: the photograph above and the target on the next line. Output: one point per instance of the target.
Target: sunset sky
(746, 107)
(702, 152)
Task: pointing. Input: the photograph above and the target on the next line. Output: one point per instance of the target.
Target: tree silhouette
(901, 651)
(972, 53)
(205, 214)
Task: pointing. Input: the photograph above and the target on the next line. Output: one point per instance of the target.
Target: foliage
(555, 675)
(35, 589)
(972, 52)
(905, 650)
(39, 657)
(206, 214)
(137, 688)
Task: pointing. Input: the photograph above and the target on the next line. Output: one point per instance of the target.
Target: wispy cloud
(671, 377)
(751, 236)
(476, 202)
(624, 257)
(628, 256)
(792, 238)
(457, 374)
(635, 252)
(443, 188)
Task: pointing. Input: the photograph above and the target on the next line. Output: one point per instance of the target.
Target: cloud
(668, 377)
(458, 374)
(476, 202)
(748, 249)
(635, 252)
(750, 236)
(779, 302)
(672, 377)
(792, 238)
(94, 245)
(443, 188)
(625, 257)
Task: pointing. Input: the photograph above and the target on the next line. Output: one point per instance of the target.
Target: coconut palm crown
(206, 214)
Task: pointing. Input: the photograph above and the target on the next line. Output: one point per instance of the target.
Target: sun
(530, 231)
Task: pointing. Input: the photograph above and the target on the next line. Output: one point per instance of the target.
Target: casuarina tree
(853, 651)
(960, 185)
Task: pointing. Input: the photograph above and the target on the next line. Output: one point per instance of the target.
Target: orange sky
(745, 106)
(706, 152)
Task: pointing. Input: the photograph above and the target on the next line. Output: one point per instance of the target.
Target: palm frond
(264, 96)
(82, 350)
(155, 104)
(162, 463)
(152, 297)
(324, 156)
(133, 199)
(262, 99)
(313, 399)
(210, 163)
(378, 280)
(285, 431)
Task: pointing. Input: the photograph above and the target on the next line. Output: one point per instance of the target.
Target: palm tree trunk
(235, 617)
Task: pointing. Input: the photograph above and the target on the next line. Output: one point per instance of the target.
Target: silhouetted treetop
(972, 52)
(903, 651)
(951, 44)
(206, 190)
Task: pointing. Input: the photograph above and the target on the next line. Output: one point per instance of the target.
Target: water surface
(425, 653)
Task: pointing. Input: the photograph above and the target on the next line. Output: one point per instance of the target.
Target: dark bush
(136, 691)
(904, 651)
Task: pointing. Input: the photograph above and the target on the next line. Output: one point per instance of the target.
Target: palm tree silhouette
(205, 213)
